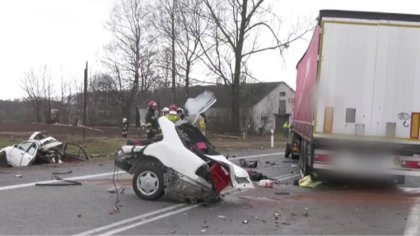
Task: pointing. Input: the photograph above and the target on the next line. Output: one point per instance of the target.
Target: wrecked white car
(38, 149)
(183, 162)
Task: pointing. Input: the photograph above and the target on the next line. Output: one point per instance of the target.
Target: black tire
(3, 159)
(152, 171)
(302, 158)
(288, 151)
(309, 159)
(306, 155)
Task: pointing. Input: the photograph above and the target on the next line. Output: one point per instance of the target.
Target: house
(264, 106)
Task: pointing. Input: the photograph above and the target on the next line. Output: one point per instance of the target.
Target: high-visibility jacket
(172, 117)
(201, 124)
(286, 125)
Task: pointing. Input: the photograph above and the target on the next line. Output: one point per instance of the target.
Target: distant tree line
(158, 44)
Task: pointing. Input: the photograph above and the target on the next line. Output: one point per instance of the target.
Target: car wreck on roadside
(38, 149)
(181, 162)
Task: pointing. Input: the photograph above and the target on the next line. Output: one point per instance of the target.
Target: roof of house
(251, 94)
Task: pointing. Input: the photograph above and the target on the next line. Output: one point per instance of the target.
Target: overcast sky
(64, 34)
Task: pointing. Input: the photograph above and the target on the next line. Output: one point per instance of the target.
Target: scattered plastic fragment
(265, 183)
(307, 182)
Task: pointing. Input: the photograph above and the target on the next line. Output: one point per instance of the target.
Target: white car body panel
(173, 154)
(17, 157)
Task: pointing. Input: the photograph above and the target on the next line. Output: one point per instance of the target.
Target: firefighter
(172, 115)
(165, 111)
(124, 127)
(286, 128)
(202, 123)
(180, 113)
(152, 125)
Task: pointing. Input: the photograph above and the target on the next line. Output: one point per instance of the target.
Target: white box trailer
(358, 85)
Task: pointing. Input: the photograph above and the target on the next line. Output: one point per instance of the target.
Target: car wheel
(3, 159)
(148, 180)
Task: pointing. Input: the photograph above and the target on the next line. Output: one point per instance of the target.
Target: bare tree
(191, 28)
(128, 25)
(38, 88)
(165, 21)
(236, 25)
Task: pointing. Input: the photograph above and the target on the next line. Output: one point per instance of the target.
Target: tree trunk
(237, 76)
(187, 80)
(173, 51)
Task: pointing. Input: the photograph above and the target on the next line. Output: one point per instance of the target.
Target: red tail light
(411, 164)
(322, 158)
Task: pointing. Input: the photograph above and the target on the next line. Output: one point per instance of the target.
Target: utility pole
(85, 100)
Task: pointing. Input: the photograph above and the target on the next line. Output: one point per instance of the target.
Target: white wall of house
(264, 110)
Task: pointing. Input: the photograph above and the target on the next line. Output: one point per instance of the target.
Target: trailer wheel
(305, 158)
(148, 182)
(309, 158)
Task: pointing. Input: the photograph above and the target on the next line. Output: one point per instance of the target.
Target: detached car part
(183, 162)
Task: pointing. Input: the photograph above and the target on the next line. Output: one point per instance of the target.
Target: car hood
(6, 149)
(200, 104)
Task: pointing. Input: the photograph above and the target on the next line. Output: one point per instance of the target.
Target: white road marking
(9, 187)
(412, 226)
(168, 214)
(151, 219)
(129, 220)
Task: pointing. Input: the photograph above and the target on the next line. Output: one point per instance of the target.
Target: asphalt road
(283, 209)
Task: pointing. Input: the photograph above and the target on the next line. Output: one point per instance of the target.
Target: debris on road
(282, 193)
(306, 214)
(222, 217)
(307, 182)
(256, 176)
(61, 181)
(266, 183)
(248, 164)
(203, 230)
(293, 166)
(19, 176)
(114, 211)
(245, 222)
(115, 189)
(79, 216)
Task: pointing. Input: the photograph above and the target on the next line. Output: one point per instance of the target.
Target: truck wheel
(148, 180)
(309, 158)
(287, 151)
(302, 158)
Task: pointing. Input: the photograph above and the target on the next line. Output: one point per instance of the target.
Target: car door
(23, 154)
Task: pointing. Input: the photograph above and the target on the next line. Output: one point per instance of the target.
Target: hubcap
(148, 183)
